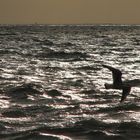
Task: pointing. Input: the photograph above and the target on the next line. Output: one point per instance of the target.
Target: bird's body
(125, 86)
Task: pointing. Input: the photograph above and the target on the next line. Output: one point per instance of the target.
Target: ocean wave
(123, 130)
(100, 125)
(43, 42)
(123, 107)
(29, 135)
(54, 93)
(87, 130)
(63, 55)
(23, 91)
(14, 113)
(66, 44)
(9, 52)
(129, 125)
(89, 68)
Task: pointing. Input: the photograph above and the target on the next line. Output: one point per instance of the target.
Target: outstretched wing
(133, 83)
(116, 74)
(126, 91)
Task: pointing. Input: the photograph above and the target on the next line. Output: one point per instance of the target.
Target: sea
(52, 82)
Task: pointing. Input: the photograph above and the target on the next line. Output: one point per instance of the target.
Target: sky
(70, 11)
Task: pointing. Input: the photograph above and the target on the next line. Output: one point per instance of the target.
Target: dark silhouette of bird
(125, 86)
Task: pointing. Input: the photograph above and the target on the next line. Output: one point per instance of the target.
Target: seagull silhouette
(125, 86)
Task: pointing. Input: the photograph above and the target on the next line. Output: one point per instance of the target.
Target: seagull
(125, 86)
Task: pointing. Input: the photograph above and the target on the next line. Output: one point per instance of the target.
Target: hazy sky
(69, 11)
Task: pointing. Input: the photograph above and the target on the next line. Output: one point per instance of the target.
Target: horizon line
(125, 24)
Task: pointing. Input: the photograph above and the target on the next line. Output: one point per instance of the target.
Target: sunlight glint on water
(52, 82)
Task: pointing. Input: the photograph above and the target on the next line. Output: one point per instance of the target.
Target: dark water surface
(52, 82)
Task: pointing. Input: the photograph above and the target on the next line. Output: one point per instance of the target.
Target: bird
(125, 86)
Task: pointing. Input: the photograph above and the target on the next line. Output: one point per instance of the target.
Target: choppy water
(52, 82)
